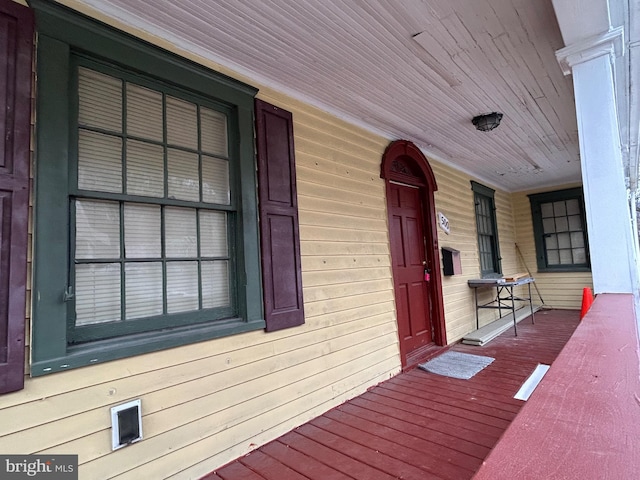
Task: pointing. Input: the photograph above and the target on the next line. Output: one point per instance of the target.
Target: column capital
(609, 43)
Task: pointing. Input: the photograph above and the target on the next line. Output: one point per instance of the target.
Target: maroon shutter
(279, 237)
(16, 44)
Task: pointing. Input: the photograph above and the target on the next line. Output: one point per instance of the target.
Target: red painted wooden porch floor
(416, 425)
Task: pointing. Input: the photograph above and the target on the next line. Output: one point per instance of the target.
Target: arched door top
(403, 161)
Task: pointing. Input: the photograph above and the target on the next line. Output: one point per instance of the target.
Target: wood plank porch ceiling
(418, 70)
(416, 425)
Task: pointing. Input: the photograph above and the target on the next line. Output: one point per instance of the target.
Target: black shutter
(279, 235)
(16, 45)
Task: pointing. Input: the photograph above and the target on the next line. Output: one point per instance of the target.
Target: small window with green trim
(487, 229)
(560, 230)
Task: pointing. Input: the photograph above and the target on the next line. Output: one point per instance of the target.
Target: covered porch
(417, 424)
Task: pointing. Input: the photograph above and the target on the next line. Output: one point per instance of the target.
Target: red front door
(412, 290)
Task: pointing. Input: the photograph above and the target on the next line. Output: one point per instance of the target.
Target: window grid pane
(486, 234)
(180, 232)
(564, 237)
(145, 169)
(97, 229)
(97, 294)
(182, 171)
(141, 237)
(182, 286)
(99, 162)
(143, 289)
(100, 100)
(144, 113)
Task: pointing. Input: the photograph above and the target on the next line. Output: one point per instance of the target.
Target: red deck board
(373, 457)
(304, 464)
(464, 387)
(422, 463)
(428, 412)
(449, 462)
(445, 409)
(270, 468)
(417, 424)
(422, 428)
(212, 476)
(237, 471)
(411, 388)
(354, 467)
(446, 394)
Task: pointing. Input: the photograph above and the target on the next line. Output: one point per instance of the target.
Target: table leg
(533, 318)
(513, 311)
(475, 290)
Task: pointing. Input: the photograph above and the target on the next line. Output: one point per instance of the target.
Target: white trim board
(531, 383)
(485, 334)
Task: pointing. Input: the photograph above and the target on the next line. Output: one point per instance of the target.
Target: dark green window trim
(63, 35)
(487, 231)
(537, 200)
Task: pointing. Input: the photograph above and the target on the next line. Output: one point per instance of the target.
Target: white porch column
(612, 242)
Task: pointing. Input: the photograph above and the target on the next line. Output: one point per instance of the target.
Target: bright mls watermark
(50, 467)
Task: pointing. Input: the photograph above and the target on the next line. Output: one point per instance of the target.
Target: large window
(146, 210)
(559, 230)
(487, 228)
(150, 203)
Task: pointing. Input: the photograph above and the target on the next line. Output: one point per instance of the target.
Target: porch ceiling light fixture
(487, 122)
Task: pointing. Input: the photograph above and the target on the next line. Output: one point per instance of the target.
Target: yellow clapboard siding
(332, 205)
(333, 277)
(208, 448)
(372, 188)
(343, 248)
(454, 199)
(338, 305)
(318, 190)
(332, 221)
(164, 393)
(327, 262)
(167, 432)
(326, 292)
(232, 367)
(311, 233)
(326, 155)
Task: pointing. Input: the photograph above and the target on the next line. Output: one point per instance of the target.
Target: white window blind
(100, 100)
(142, 233)
(182, 286)
(99, 162)
(97, 293)
(215, 284)
(182, 168)
(145, 169)
(215, 180)
(182, 123)
(180, 232)
(144, 113)
(143, 289)
(213, 132)
(213, 234)
(97, 229)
